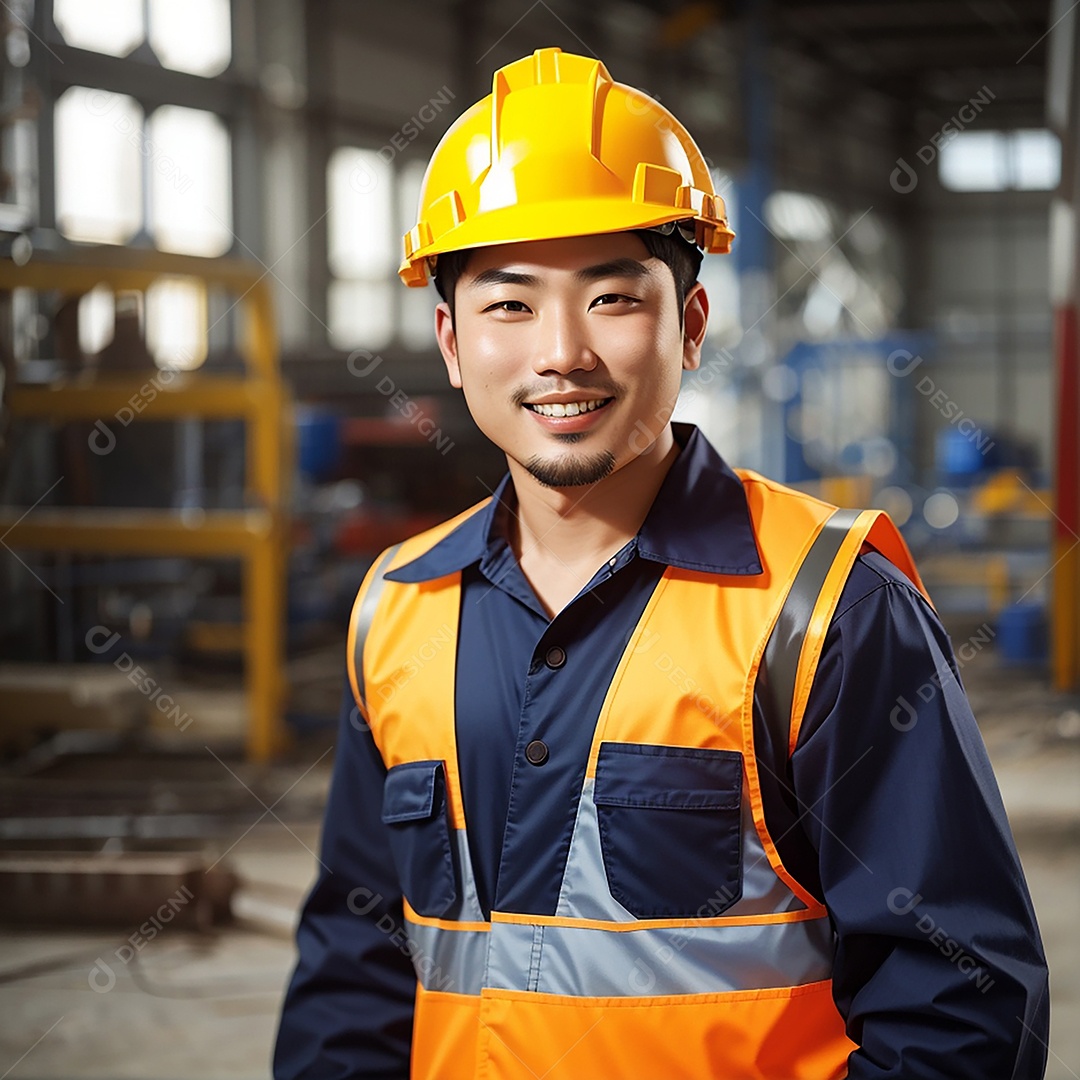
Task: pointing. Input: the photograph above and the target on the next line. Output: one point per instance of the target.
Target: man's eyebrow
(626, 267)
(495, 276)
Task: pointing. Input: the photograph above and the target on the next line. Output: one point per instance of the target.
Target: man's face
(584, 326)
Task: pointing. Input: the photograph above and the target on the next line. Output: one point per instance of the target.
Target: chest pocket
(670, 828)
(415, 813)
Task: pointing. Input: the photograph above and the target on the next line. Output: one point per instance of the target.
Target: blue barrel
(1022, 634)
(957, 457)
(318, 441)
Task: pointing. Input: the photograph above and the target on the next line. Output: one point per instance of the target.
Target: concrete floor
(206, 1005)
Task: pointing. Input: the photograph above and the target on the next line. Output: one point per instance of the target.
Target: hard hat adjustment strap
(686, 227)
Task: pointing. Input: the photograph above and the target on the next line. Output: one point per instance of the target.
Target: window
(362, 248)
(192, 35)
(176, 323)
(112, 166)
(360, 198)
(97, 319)
(974, 161)
(1028, 160)
(18, 175)
(187, 151)
(99, 190)
(1036, 160)
(113, 27)
(370, 206)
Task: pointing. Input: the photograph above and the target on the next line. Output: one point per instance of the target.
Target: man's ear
(695, 321)
(446, 336)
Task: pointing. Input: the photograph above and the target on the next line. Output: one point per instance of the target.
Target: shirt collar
(699, 520)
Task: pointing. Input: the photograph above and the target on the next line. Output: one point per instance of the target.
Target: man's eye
(513, 306)
(614, 297)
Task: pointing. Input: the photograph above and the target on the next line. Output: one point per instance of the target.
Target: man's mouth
(568, 408)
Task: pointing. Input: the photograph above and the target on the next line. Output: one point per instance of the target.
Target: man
(638, 773)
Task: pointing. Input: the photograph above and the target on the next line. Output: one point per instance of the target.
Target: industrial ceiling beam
(923, 14)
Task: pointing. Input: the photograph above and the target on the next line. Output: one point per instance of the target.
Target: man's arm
(940, 972)
(349, 1007)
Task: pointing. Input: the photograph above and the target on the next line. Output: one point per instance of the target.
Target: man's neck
(581, 527)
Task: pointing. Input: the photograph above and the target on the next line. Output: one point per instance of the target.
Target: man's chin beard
(571, 471)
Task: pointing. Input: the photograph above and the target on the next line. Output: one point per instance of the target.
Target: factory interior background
(219, 404)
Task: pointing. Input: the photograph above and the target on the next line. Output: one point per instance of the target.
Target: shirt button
(555, 657)
(613, 560)
(536, 753)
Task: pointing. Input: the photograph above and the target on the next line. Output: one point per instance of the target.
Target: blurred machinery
(977, 513)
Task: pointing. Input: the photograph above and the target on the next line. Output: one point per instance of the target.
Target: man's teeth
(571, 408)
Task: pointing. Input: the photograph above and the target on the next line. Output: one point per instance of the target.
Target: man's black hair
(683, 258)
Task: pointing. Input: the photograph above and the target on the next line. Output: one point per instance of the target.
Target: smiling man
(637, 776)
(566, 349)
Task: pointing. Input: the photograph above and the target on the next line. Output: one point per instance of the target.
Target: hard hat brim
(550, 221)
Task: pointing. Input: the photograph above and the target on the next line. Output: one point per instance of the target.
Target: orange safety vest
(723, 970)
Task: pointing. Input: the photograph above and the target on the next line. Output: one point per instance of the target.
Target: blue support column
(753, 248)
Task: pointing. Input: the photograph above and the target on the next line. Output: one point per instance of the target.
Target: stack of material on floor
(124, 889)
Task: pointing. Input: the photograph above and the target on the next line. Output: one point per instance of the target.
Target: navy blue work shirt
(895, 817)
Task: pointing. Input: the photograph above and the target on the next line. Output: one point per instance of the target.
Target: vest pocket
(416, 816)
(670, 828)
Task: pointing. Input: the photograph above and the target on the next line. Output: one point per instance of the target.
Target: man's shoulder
(874, 577)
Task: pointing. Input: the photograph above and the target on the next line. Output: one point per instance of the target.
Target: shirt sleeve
(348, 1010)
(939, 968)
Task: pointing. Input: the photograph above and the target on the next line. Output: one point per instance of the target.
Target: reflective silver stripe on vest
(366, 613)
(648, 962)
(585, 894)
(468, 907)
(450, 960)
(582, 962)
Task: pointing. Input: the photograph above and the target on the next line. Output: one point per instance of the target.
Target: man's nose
(562, 345)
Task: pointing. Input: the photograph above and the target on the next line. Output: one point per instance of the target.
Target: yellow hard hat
(558, 148)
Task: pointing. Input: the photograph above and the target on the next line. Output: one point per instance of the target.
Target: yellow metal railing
(257, 535)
